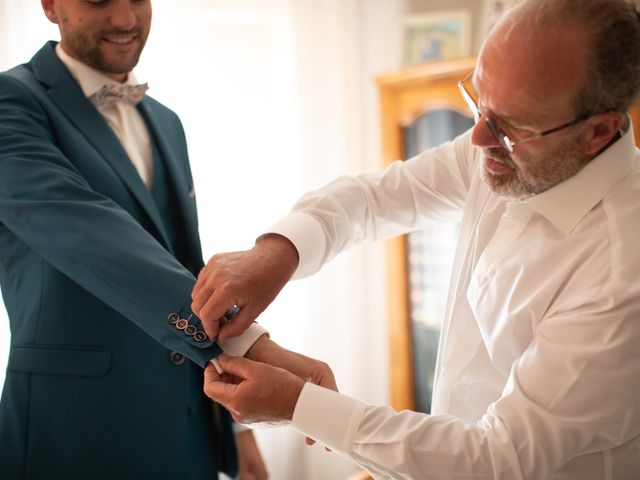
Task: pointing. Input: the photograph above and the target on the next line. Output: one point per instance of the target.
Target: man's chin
(114, 62)
(501, 184)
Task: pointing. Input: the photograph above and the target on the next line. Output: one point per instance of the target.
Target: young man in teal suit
(99, 251)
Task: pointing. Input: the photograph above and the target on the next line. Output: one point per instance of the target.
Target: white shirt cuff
(238, 346)
(328, 417)
(239, 428)
(307, 236)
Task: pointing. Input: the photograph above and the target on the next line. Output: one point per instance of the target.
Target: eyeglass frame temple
(499, 135)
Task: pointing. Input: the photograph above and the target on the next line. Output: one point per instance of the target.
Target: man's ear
(50, 10)
(601, 129)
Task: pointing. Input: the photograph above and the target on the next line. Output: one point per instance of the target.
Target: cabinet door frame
(404, 96)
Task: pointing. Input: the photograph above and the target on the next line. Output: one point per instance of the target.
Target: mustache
(500, 155)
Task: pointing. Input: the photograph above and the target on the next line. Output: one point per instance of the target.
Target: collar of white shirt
(568, 202)
(90, 80)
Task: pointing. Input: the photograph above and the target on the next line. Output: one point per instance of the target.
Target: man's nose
(123, 15)
(482, 136)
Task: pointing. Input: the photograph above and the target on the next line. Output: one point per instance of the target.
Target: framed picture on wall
(492, 11)
(443, 35)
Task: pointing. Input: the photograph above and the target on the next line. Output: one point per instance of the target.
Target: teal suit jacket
(93, 388)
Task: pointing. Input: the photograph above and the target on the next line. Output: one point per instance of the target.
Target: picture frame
(492, 11)
(444, 35)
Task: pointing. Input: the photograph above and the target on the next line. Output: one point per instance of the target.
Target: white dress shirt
(538, 370)
(127, 123)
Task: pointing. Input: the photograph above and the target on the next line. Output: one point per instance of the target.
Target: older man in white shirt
(539, 356)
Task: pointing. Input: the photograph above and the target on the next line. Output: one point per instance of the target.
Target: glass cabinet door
(420, 108)
(429, 258)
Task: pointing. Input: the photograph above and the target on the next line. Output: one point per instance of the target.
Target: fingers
(211, 374)
(237, 325)
(213, 298)
(240, 367)
(213, 304)
(216, 388)
(214, 314)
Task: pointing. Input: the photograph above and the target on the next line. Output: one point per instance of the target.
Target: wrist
(257, 351)
(280, 247)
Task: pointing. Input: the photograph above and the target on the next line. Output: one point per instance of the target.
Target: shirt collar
(89, 79)
(567, 203)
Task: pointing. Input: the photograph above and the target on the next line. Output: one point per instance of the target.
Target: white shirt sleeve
(573, 391)
(240, 345)
(351, 210)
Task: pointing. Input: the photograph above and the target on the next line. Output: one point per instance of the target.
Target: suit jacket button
(182, 324)
(176, 358)
(200, 336)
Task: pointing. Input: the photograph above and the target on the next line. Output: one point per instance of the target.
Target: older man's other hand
(248, 280)
(253, 392)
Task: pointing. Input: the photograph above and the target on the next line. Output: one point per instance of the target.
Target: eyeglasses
(508, 142)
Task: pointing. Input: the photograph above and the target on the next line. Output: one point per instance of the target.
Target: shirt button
(176, 358)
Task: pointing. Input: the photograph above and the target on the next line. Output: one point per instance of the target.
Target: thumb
(237, 325)
(215, 387)
(211, 375)
(237, 366)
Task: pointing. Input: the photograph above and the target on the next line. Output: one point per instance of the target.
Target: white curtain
(277, 97)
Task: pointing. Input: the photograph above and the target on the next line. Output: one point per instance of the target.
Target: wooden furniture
(404, 96)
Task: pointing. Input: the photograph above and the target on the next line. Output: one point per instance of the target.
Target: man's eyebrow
(514, 122)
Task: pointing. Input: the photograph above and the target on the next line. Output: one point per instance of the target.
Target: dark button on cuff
(200, 336)
(188, 329)
(176, 358)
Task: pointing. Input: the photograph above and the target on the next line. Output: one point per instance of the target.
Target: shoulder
(18, 78)
(20, 91)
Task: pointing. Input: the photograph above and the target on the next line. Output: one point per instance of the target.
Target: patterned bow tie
(111, 92)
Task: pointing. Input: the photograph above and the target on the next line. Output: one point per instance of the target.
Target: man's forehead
(552, 65)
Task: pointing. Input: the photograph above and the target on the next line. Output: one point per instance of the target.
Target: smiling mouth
(120, 39)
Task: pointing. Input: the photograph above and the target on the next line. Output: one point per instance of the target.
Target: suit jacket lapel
(182, 187)
(65, 92)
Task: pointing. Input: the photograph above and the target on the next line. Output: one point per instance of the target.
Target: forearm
(400, 199)
(408, 444)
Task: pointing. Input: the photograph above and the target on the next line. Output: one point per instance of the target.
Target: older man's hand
(264, 388)
(248, 280)
(253, 392)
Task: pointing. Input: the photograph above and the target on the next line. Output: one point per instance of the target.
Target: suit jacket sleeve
(48, 204)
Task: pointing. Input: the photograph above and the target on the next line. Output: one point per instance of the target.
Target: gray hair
(611, 78)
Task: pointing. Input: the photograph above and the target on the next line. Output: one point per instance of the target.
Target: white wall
(277, 97)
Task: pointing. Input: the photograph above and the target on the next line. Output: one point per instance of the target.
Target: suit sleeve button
(200, 336)
(173, 318)
(182, 324)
